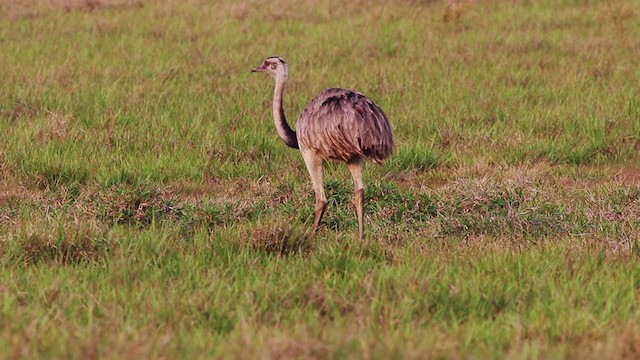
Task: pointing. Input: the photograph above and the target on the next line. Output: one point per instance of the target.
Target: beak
(258, 69)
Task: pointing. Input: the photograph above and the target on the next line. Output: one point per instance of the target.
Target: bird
(338, 125)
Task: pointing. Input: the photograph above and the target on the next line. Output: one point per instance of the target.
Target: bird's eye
(273, 66)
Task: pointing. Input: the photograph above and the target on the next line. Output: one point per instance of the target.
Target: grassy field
(148, 208)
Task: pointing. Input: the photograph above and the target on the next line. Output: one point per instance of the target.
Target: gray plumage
(339, 124)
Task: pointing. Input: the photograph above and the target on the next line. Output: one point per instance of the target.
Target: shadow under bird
(339, 125)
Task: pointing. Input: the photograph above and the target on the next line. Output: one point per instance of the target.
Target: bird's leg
(314, 165)
(321, 205)
(356, 168)
(359, 202)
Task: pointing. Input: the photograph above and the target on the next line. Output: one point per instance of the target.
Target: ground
(148, 208)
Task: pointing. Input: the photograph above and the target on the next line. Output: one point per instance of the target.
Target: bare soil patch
(14, 191)
(590, 177)
(222, 191)
(628, 175)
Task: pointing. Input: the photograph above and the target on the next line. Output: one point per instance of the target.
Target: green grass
(148, 208)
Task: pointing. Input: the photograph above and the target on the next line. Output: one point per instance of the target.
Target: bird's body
(339, 125)
(343, 124)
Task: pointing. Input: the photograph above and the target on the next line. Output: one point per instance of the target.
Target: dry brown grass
(282, 238)
(17, 9)
(61, 246)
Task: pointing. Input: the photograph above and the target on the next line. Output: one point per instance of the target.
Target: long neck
(284, 130)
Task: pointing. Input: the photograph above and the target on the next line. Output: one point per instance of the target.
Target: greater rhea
(340, 125)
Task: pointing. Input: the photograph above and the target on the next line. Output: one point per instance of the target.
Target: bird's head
(273, 65)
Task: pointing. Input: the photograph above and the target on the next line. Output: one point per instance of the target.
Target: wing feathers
(341, 124)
